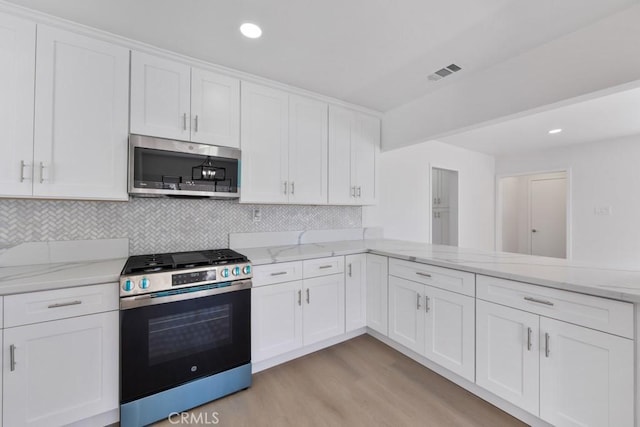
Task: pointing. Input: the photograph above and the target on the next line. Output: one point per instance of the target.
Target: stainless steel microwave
(163, 167)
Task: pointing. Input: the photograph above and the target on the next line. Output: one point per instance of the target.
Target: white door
(323, 308)
(377, 293)
(586, 376)
(17, 68)
(355, 291)
(549, 217)
(365, 149)
(342, 128)
(308, 151)
(450, 331)
(215, 108)
(64, 370)
(81, 117)
(276, 319)
(406, 313)
(265, 145)
(507, 354)
(160, 97)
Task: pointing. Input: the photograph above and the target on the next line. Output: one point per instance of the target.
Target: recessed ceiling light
(250, 30)
(554, 131)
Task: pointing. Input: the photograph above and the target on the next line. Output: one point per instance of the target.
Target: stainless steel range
(185, 332)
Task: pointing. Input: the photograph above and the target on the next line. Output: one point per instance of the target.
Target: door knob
(534, 230)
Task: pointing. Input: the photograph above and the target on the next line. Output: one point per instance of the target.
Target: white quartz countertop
(40, 277)
(551, 272)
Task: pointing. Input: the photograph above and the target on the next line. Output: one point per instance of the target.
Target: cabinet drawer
(277, 273)
(615, 317)
(322, 266)
(35, 307)
(444, 278)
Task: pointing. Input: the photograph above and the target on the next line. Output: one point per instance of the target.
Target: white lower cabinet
(60, 372)
(568, 375)
(355, 287)
(377, 293)
(434, 323)
(287, 316)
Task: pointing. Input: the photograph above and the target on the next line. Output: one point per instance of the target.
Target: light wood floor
(361, 382)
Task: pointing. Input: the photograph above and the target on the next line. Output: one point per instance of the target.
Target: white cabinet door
(342, 129)
(586, 376)
(307, 151)
(160, 97)
(364, 154)
(63, 371)
(17, 67)
(507, 354)
(377, 293)
(276, 319)
(323, 308)
(355, 292)
(215, 108)
(450, 331)
(406, 313)
(264, 144)
(81, 117)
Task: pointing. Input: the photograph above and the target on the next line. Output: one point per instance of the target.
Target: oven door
(170, 338)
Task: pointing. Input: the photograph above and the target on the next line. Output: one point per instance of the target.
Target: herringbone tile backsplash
(160, 225)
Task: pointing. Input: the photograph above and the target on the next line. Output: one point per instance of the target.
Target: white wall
(603, 174)
(404, 209)
(597, 57)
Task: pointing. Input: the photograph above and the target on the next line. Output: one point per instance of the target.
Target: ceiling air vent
(444, 72)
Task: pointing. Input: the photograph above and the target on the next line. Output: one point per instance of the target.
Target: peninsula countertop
(614, 283)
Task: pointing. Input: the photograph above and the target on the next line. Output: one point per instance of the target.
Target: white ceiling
(600, 119)
(376, 53)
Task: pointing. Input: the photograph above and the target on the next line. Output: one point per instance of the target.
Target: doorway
(533, 214)
(444, 207)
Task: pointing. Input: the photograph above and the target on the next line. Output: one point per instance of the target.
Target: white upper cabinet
(160, 97)
(170, 99)
(81, 117)
(284, 147)
(307, 151)
(354, 143)
(17, 67)
(215, 108)
(265, 145)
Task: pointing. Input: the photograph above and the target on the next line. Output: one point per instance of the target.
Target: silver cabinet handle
(308, 297)
(184, 121)
(426, 303)
(418, 301)
(293, 187)
(529, 331)
(299, 297)
(420, 273)
(12, 357)
(195, 124)
(22, 166)
(434, 201)
(534, 230)
(42, 166)
(285, 187)
(353, 191)
(359, 191)
(279, 273)
(322, 267)
(64, 304)
(438, 200)
(350, 275)
(539, 301)
(546, 344)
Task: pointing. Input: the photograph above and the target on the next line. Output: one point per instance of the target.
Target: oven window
(179, 335)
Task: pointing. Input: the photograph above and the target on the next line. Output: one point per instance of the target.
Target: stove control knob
(246, 269)
(236, 271)
(225, 273)
(144, 283)
(128, 285)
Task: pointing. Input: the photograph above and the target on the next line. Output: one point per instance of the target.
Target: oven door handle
(182, 294)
